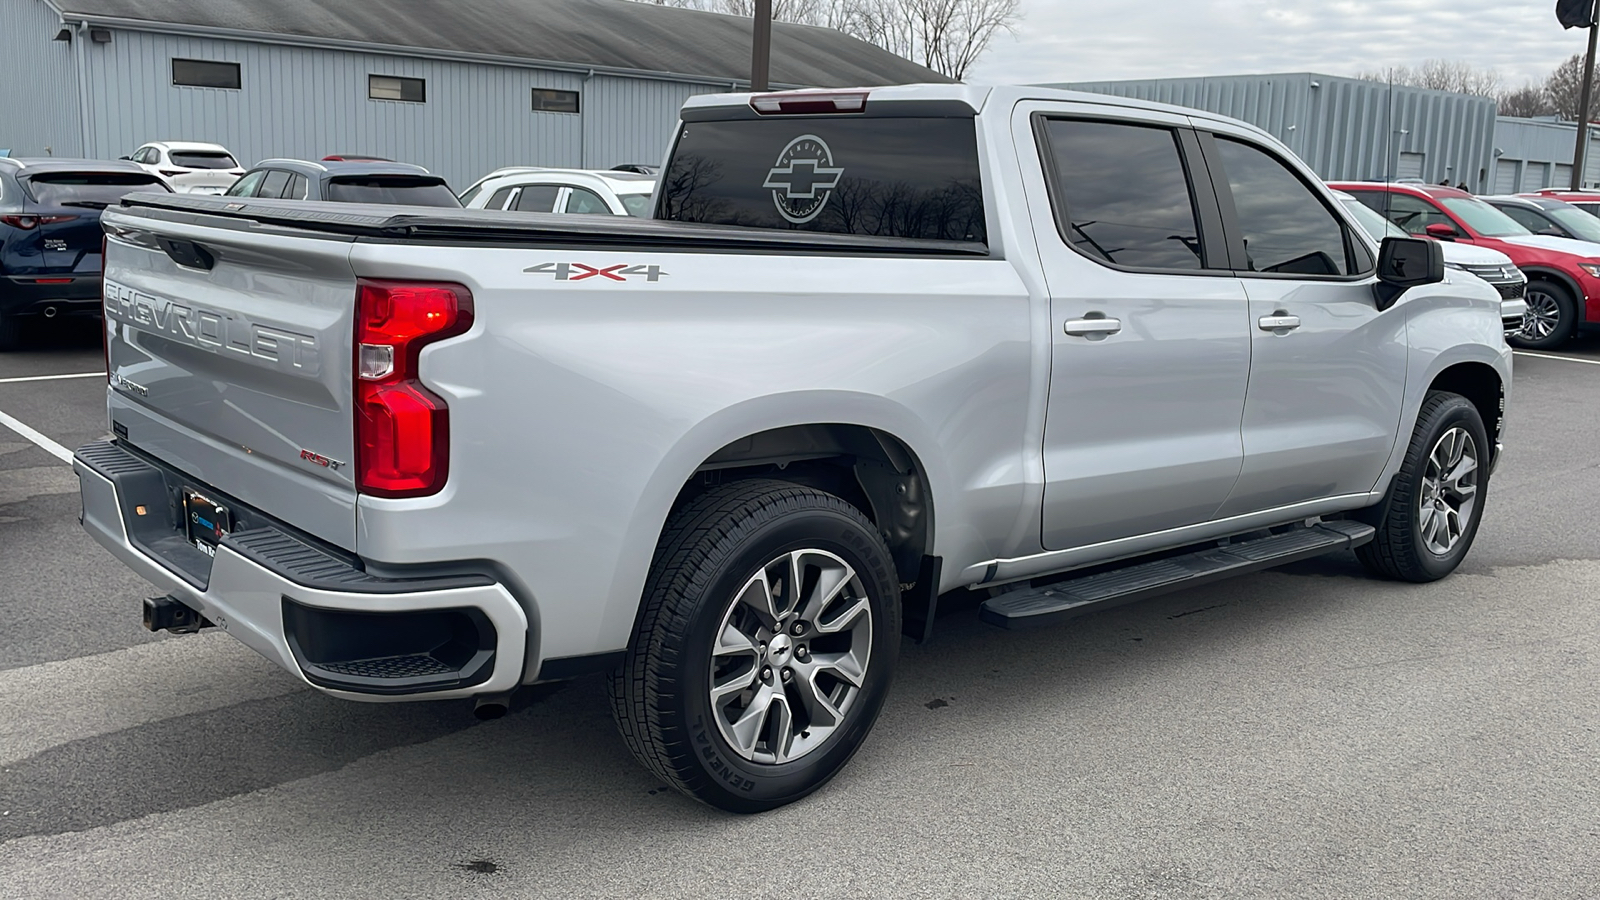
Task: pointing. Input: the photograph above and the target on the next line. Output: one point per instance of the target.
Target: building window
(205, 73)
(555, 101)
(388, 87)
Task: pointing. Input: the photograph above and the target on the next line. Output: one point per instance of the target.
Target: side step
(1036, 607)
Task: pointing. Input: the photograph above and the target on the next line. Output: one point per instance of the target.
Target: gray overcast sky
(1087, 40)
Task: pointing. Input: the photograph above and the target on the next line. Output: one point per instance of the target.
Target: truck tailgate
(229, 347)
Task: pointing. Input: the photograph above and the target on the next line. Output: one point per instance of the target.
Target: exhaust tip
(491, 707)
(49, 312)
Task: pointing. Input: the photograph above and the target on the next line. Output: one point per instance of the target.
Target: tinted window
(1121, 194)
(538, 198)
(1483, 218)
(274, 183)
(639, 204)
(498, 201)
(1286, 228)
(1529, 219)
(915, 178)
(205, 73)
(246, 186)
(407, 190)
(200, 159)
(1413, 214)
(586, 202)
(297, 188)
(1582, 225)
(95, 190)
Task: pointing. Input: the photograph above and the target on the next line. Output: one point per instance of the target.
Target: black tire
(10, 333)
(1554, 301)
(709, 550)
(1400, 550)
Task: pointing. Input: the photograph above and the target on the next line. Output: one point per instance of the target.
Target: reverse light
(1593, 268)
(801, 103)
(402, 444)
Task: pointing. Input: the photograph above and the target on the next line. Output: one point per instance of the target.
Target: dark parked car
(345, 182)
(50, 238)
(1548, 216)
(355, 157)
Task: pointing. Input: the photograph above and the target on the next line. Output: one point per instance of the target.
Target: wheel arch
(1481, 384)
(1544, 273)
(800, 437)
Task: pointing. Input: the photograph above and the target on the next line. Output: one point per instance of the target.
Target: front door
(1150, 348)
(1328, 370)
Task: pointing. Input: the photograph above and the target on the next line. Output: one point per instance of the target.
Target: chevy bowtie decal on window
(585, 272)
(803, 179)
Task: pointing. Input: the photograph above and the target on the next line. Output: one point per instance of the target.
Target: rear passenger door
(1328, 370)
(1150, 344)
(536, 198)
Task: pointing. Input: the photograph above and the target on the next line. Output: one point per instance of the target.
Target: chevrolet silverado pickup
(1048, 351)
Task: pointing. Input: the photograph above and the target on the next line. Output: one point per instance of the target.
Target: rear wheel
(765, 649)
(10, 332)
(1431, 514)
(1551, 319)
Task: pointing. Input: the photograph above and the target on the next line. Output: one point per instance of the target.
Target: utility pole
(761, 46)
(1564, 15)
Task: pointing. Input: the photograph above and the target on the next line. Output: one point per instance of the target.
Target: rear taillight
(28, 223)
(402, 429)
(804, 103)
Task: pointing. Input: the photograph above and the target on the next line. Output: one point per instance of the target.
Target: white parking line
(49, 446)
(21, 378)
(1587, 362)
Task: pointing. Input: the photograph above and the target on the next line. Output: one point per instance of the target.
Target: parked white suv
(189, 166)
(581, 191)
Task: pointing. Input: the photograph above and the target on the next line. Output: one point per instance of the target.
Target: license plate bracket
(205, 521)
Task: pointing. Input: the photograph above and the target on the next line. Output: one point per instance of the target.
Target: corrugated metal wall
(1343, 128)
(1539, 153)
(38, 82)
(307, 103)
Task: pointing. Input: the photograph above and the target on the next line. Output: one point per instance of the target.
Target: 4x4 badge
(582, 272)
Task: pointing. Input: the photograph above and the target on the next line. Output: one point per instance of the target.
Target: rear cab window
(404, 190)
(95, 190)
(904, 176)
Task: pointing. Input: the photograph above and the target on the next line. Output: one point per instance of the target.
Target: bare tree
(1526, 102)
(1443, 75)
(947, 36)
(1564, 90)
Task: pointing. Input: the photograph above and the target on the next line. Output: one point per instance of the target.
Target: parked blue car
(50, 237)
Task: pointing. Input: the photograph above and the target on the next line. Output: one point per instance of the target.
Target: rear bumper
(316, 615)
(26, 295)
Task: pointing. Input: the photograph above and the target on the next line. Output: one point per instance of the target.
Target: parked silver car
(578, 191)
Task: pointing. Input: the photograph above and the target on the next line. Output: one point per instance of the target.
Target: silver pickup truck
(1045, 350)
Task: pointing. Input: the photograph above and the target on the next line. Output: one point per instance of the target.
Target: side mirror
(128, 158)
(1405, 263)
(1444, 231)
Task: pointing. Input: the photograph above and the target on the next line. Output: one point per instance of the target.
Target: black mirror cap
(1405, 263)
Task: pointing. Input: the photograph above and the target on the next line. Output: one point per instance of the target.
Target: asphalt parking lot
(1308, 732)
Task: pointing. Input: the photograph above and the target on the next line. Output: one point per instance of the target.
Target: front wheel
(1431, 514)
(1551, 319)
(765, 648)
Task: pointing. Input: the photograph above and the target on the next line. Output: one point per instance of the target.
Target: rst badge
(584, 272)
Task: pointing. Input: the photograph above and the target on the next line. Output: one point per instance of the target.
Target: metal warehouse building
(1345, 128)
(1530, 154)
(462, 88)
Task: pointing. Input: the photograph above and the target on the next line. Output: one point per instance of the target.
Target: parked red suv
(1588, 201)
(1563, 274)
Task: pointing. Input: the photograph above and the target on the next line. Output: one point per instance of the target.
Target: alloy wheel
(1542, 318)
(1449, 491)
(791, 656)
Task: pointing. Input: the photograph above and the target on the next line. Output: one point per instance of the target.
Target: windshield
(639, 205)
(405, 190)
(1375, 224)
(1582, 225)
(1483, 218)
(92, 189)
(203, 159)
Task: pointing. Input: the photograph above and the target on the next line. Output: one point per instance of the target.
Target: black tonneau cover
(482, 226)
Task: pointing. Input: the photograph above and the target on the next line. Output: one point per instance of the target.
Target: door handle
(1279, 321)
(1093, 325)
